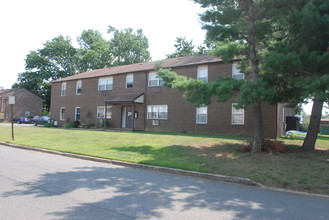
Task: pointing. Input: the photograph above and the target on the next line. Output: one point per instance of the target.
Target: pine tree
(299, 60)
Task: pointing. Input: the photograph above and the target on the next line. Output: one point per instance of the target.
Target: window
(202, 73)
(105, 84)
(237, 115)
(202, 115)
(129, 81)
(27, 113)
(77, 113)
(157, 112)
(78, 87)
(62, 114)
(236, 74)
(154, 80)
(63, 90)
(101, 112)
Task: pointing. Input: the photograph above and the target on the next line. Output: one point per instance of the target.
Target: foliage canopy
(59, 58)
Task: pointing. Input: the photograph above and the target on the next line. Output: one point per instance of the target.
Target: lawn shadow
(185, 134)
(113, 192)
(186, 157)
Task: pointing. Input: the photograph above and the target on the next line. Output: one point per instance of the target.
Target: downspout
(145, 96)
(133, 115)
(105, 116)
(1, 104)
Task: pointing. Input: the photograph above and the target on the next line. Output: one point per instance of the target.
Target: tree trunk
(313, 129)
(256, 146)
(257, 110)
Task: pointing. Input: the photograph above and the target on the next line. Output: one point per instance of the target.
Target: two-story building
(133, 97)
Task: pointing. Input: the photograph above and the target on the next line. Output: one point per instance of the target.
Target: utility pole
(12, 102)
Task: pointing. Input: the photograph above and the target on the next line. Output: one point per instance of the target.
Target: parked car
(17, 119)
(41, 120)
(30, 119)
(295, 134)
(22, 120)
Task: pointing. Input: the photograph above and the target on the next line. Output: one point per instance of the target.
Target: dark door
(292, 123)
(126, 117)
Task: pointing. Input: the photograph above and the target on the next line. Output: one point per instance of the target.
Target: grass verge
(303, 171)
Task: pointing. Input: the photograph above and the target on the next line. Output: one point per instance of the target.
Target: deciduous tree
(94, 51)
(186, 48)
(59, 58)
(128, 47)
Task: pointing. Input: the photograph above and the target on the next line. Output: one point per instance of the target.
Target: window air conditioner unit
(155, 122)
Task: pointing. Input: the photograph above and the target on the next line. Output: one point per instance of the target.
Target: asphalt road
(36, 185)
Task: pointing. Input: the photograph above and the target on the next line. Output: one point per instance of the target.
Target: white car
(295, 134)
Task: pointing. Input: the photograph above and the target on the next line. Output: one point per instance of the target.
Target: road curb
(216, 177)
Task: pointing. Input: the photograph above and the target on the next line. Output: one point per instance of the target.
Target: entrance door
(126, 117)
(292, 123)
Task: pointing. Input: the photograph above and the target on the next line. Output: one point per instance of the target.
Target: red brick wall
(90, 98)
(26, 101)
(181, 114)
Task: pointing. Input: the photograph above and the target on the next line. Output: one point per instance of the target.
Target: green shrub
(303, 127)
(49, 125)
(76, 124)
(69, 125)
(101, 123)
(89, 125)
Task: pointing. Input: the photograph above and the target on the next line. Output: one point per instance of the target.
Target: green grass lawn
(305, 171)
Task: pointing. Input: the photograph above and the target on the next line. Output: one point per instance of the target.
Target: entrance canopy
(125, 99)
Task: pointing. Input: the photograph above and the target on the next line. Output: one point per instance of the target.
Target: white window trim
(104, 79)
(234, 113)
(158, 79)
(200, 71)
(236, 71)
(61, 114)
(99, 112)
(63, 89)
(108, 112)
(197, 113)
(132, 81)
(78, 87)
(75, 113)
(157, 112)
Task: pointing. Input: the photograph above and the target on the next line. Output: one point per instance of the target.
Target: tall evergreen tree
(235, 28)
(299, 60)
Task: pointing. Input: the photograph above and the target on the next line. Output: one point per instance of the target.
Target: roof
(126, 98)
(6, 91)
(3, 91)
(147, 66)
(324, 121)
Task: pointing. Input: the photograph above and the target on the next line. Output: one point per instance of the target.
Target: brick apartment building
(131, 97)
(27, 103)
